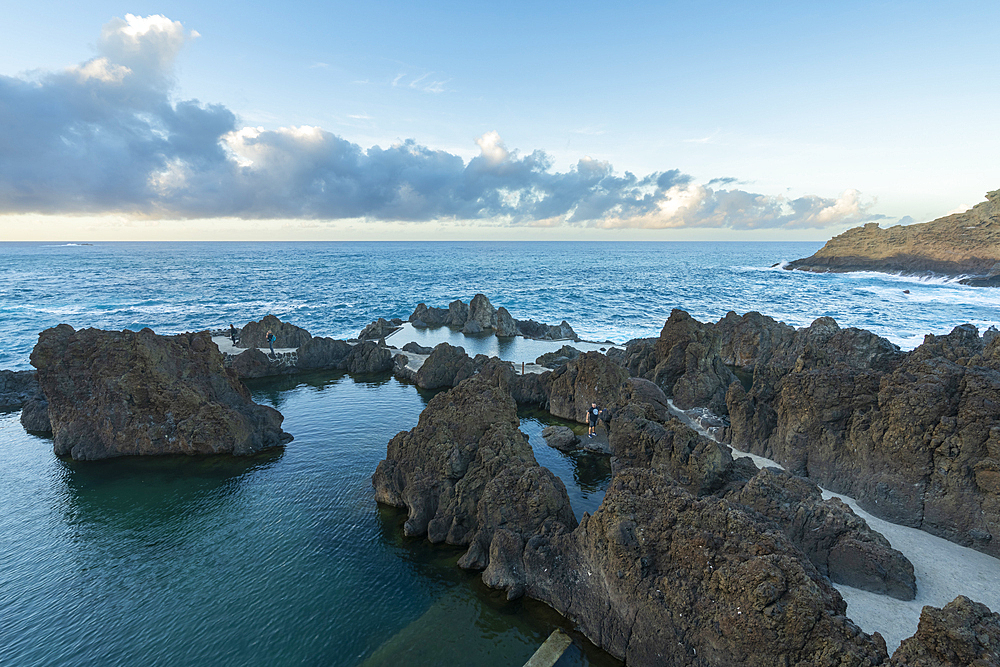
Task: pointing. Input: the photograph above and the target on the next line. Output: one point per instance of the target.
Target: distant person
(232, 333)
(270, 341)
(592, 415)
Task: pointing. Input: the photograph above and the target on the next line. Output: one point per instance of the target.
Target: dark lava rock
(321, 353)
(458, 313)
(533, 329)
(472, 328)
(16, 388)
(288, 335)
(35, 415)
(590, 378)
(368, 357)
(429, 317)
(446, 366)
(380, 328)
(963, 634)
(559, 357)
(252, 363)
(561, 438)
(466, 471)
(416, 348)
(837, 541)
(506, 327)
(117, 393)
(659, 577)
(482, 313)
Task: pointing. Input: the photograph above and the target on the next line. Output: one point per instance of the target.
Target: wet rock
(538, 331)
(117, 393)
(466, 471)
(368, 357)
(559, 357)
(16, 388)
(252, 363)
(472, 328)
(458, 314)
(658, 577)
(561, 438)
(287, 335)
(35, 415)
(962, 634)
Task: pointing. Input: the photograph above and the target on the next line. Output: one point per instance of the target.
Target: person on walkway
(232, 333)
(592, 414)
(270, 341)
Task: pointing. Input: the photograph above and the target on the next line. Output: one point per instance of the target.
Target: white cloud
(106, 137)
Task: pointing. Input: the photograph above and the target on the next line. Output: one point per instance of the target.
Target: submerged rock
(118, 393)
(561, 438)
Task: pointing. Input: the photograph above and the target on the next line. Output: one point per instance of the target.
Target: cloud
(106, 137)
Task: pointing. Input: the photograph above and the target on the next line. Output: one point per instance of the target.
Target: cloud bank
(107, 137)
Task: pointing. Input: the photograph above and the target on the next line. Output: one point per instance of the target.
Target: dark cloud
(106, 137)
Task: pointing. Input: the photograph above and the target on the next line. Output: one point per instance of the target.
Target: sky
(666, 121)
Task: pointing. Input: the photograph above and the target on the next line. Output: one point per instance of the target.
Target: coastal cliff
(963, 244)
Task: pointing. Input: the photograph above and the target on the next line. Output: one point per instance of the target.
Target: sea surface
(285, 558)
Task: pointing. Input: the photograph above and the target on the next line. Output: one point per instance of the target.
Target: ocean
(284, 558)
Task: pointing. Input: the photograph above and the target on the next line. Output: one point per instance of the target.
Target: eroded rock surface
(287, 335)
(117, 393)
(962, 634)
(16, 388)
(466, 471)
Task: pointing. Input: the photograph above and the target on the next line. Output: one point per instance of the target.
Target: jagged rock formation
(288, 335)
(962, 634)
(35, 416)
(912, 436)
(659, 577)
(466, 471)
(118, 393)
(961, 244)
(479, 316)
(380, 328)
(559, 357)
(17, 388)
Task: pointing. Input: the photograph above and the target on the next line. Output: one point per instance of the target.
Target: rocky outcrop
(561, 438)
(287, 335)
(117, 393)
(837, 541)
(466, 472)
(659, 577)
(35, 416)
(367, 357)
(446, 366)
(590, 378)
(962, 634)
(417, 348)
(559, 357)
(380, 328)
(320, 353)
(961, 244)
(16, 388)
(480, 316)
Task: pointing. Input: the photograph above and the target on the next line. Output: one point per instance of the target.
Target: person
(270, 341)
(232, 333)
(592, 415)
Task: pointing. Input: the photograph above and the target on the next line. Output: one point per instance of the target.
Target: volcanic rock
(431, 317)
(116, 393)
(16, 388)
(506, 327)
(35, 415)
(482, 312)
(561, 438)
(960, 244)
(252, 363)
(962, 634)
(458, 314)
(659, 577)
(417, 348)
(320, 353)
(287, 335)
(466, 471)
(446, 366)
(559, 357)
(368, 357)
(380, 328)
(538, 331)
(590, 378)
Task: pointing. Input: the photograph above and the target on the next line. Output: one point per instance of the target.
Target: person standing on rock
(592, 414)
(232, 333)
(270, 341)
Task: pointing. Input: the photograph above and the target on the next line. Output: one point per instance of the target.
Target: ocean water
(285, 558)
